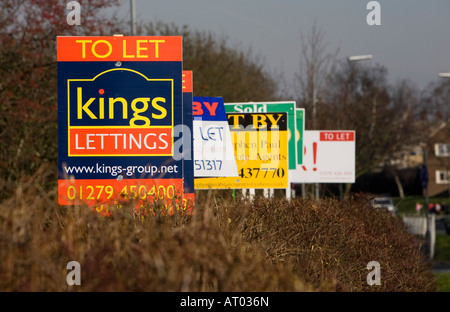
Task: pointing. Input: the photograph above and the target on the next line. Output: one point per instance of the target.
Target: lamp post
(430, 233)
(360, 57)
(314, 105)
(350, 59)
(446, 75)
(431, 221)
(132, 18)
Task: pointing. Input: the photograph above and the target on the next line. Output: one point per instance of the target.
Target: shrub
(329, 244)
(226, 245)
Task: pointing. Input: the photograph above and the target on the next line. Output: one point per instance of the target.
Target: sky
(412, 42)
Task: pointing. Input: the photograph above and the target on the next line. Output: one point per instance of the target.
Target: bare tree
(409, 131)
(317, 66)
(384, 117)
(220, 69)
(28, 101)
(436, 100)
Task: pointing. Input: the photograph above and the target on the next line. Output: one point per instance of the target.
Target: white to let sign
(213, 147)
(328, 157)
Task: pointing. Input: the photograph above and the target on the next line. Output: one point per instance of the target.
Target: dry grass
(227, 245)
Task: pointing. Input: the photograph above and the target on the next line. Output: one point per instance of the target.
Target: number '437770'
(269, 173)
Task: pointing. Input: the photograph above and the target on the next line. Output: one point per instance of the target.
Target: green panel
(300, 124)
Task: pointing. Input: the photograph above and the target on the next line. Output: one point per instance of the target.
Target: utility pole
(446, 75)
(430, 234)
(314, 103)
(132, 18)
(350, 60)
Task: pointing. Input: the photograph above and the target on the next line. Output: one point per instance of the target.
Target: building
(438, 160)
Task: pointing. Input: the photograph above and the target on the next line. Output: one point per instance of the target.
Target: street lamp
(314, 105)
(360, 57)
(351, 59)
(446, 75)
(430, 234)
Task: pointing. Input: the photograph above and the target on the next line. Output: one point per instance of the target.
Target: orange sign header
(187, 81)
(119, 48)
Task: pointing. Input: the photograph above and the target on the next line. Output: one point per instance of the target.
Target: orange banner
(119, 48)
(120, 141)
(103, 194)
(187, 81)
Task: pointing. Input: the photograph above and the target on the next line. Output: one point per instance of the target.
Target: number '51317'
(208, 164)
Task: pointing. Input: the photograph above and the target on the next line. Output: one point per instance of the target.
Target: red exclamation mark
(314, 154)
(304, 153)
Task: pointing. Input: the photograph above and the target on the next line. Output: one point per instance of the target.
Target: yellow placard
(261, 151)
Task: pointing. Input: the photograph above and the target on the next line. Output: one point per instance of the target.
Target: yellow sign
(261, 151)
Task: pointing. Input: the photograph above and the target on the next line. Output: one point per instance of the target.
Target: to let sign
(328, 157)
(119, 103)
(213, 149)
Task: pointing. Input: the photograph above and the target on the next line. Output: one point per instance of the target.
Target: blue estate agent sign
(119, 101)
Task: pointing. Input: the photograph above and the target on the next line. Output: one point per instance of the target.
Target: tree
(436, 99)
(406, 102)
(28, 93)
(360, 99)
(219, 69)
(357, 96)
(316, 70)
(28, 96)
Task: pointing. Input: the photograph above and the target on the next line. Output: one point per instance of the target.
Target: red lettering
(337, 136)
(211, 109)
(197, 109)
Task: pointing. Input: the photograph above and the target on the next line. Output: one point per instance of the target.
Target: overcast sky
(412, 42)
